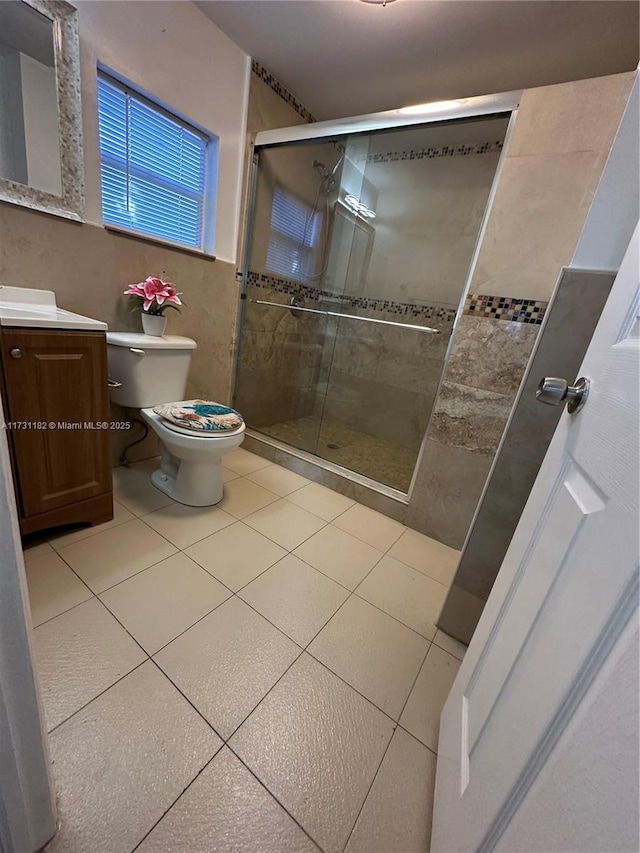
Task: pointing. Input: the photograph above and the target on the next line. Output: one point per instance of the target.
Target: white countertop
(37, 309)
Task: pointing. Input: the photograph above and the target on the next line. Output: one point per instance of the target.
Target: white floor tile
(146, 467)
(295, 597)
(449, 644)
(372, 652)
(117, 554)
(236, 555)
(396, 817)
(78, 655)
(161, 602)
(122, 761)
(140, 496)
(123, 475)
(242, 497)
(228, 475)
(227, 662)
(243, 462)
(60, 539)
(370, 526)
(279, 480)
(321, 501)
(184, 525)
(53, 587)
(325, 743)
(426, 555)
(35, 551)
(226, 810)
(405, 594)
(285, 524)
(421, 715)
(339, 555)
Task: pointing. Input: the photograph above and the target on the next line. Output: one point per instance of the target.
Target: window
(295, 228)
(156, 169)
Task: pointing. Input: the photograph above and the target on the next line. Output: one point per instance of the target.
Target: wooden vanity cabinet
(56, 405)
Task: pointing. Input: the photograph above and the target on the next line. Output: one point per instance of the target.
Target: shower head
(337, 166)
(327, 176)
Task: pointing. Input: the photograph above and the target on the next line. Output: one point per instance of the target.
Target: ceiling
(346, 57)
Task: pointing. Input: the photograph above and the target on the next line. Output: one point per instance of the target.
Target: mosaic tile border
(273, 83)
(462, 150)
(505, 308)
(267, 281)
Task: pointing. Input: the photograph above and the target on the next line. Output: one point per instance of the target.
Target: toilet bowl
(147, 371)
(191, 465)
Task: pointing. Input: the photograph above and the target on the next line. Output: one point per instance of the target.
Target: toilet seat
(204, 434)
(198, 416)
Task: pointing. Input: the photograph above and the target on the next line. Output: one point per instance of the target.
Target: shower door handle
(298, 309)
(296, 304)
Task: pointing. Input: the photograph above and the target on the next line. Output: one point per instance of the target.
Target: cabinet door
(58, 379)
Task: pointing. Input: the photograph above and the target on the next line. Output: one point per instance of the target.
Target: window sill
(178, 247)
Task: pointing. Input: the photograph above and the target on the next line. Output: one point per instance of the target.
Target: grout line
(253, 710)
(186, 698)
(184, 790)
(351, 591)
(62, 612)
(355, 689)
(233, 595)
(271, 794)
(97, 696)
(415, 737)
(396, 618)
(369, 789)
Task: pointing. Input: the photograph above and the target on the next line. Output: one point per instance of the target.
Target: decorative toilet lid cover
(200, 415)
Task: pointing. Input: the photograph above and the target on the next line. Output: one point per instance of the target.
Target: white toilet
(146, 371)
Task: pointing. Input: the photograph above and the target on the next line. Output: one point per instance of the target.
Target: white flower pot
(154, 324)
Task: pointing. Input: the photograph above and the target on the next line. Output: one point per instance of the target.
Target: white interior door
(554, 656)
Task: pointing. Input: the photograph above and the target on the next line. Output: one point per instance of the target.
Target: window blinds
(294, 233)
(153, 167)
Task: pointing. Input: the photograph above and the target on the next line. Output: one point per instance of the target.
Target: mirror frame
(66, 43)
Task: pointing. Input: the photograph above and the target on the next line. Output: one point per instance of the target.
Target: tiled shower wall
(554, 159)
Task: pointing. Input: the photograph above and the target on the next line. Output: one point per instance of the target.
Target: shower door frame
(503, 103)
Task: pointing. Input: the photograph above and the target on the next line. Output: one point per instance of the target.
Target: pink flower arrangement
(156, 295)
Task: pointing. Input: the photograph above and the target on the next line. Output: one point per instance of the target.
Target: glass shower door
(371, 235)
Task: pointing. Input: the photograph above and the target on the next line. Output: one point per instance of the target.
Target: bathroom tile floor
(264, 675)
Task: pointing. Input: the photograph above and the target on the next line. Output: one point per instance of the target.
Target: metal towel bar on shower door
(346, 316)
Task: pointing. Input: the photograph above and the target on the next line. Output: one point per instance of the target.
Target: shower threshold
(385, 499)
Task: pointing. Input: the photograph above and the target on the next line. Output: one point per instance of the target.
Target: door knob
(554, 391)
(16, 352)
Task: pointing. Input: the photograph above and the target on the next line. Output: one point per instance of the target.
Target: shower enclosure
(357, 254)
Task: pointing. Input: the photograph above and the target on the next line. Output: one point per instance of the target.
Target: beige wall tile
(579, 116)
(89, 267)
(490, 354)
(447, 488)
(537, 215)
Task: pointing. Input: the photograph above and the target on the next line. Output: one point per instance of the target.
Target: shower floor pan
(373, 457)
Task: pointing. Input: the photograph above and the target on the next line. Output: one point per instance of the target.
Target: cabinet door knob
(15, 353)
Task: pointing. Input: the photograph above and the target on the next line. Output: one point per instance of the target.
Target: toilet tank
(150, 370)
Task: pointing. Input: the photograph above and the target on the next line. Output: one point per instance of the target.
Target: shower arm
(297, 308)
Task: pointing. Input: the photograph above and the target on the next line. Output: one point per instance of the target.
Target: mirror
(40, 112)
